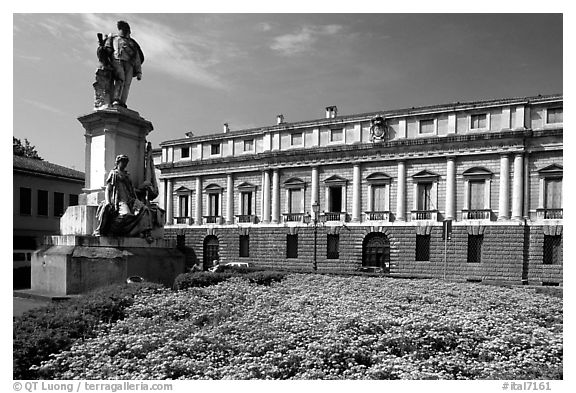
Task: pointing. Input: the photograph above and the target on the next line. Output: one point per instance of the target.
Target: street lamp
(316, 210)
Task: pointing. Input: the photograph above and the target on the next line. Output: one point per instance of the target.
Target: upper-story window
(337, 135)
(427, 126)
(214, 199)
(215, 149)
(185, 152)
(479, 121)
(25, 201)
(42, 203)
(477, 182)
(183, 205)
(554, 115)
(550, 197)
(335, 194)
(183, 196)
(294, 210)
(378, 196)
(247, 199)
(425, 196)
(58, 204)
(248, 145)
(296, 139)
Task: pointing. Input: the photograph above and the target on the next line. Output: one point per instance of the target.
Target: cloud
(303, 40)
(181, 55)
(46, 107)
(263, 26)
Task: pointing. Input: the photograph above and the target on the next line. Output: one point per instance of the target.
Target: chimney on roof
(226, 128)
(280, 119)
(331, 112)
(189, 134)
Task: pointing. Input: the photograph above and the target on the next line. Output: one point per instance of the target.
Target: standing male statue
(122, 55)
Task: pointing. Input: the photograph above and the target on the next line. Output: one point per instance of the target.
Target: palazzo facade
(383, 184)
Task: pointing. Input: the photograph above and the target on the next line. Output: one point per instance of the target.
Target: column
(198, 204)
(401, 195)
(451, 188)
(229, 199)
(517, 187)
(526, 210)
(165, 192)
(275, 196)
(266, 197)
(169, 197)
(356, 192)
(504, 196)
(314, 196)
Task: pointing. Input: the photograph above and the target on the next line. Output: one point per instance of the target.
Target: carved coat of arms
(378, 129)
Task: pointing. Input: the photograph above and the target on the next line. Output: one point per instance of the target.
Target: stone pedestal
(76, 262)
(109, 133)
(69, 265)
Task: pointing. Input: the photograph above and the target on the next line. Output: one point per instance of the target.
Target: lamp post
(316, 210)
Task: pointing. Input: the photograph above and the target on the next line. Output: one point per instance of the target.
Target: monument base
(69, 265)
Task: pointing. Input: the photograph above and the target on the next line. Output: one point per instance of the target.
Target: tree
(25, 150)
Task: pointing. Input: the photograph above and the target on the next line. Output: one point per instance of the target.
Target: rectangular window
(379, 198)
(554, 115)
(248, 144)
(58, 204)
(73, 200)
(424, 196)
(335, 202)
(476, 189)
(295, 200)
(183, 205)
(214, 205)
(244, 246)
(42, 203)
(552, 249)
(333, 247)
(25, 201)
(427, 126)
(185, 152)
(478, 121)
(553, 193)
(296, 139)
(337, 135)
(291, 246)
(246, 203)
(475, 248)
(215, 149)
(422, 247)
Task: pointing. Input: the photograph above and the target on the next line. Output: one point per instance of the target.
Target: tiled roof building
(41, 193)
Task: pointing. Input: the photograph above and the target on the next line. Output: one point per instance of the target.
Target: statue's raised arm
(120, 59)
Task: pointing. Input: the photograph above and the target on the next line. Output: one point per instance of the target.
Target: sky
(203, 70)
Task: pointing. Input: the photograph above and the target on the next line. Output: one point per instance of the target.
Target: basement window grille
(333, 247)
(422, 247)
(291, 246)
(244, 246)
(475, 248)
(552, 249)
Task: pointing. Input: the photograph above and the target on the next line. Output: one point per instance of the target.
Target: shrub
(199, 280)
(265, 277)
(206, 279)
(52, 329)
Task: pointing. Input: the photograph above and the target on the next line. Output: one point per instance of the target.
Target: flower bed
(326, 327)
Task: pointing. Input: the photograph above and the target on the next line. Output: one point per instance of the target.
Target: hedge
(54, 328)
(205, 279)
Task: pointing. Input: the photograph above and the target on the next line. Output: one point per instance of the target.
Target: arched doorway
(376, 252)
(211, 251)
